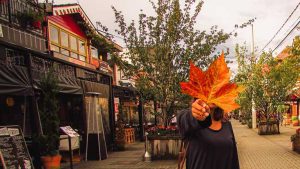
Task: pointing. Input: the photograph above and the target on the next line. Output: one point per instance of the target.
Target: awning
(66, 85)
(14, 80)
(67, 80)
(125, 92)
(95, 88)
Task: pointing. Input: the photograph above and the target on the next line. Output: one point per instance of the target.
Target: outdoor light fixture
(147, 156)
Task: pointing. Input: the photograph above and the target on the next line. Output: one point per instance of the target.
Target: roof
(284, 53)
(66, 9)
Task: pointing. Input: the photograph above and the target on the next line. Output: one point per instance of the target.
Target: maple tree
(161, 46)
(213, 86)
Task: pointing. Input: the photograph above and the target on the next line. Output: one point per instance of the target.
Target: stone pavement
(265, 152)
(129, 159)
(255, 152)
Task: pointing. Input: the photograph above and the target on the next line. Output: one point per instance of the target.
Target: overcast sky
(270, 15)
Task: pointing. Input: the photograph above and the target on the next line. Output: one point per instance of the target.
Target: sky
(269, 14)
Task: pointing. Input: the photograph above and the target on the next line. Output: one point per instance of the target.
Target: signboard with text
(13, 149)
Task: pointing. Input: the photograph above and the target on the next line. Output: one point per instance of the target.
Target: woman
(211, 140)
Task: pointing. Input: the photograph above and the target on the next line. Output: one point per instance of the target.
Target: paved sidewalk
(255, 152)
(265, 152)
(129, 159)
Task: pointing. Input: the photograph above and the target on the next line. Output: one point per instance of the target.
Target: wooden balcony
(11, 12)
(22, 38)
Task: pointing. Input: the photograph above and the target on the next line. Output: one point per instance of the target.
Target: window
(94, 52)
(81, 45)
(64, 39)
(66, 43)
(54, 34)
(54, 48)
(73, 43)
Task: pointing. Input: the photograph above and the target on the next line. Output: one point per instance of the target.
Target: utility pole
(252, 64)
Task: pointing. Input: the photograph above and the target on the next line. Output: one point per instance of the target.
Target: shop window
(54, 34)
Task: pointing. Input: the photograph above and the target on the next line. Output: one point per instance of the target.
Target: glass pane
(94, 52)
(73, 43)
(81, 57)
(54, 48)
(64, 39)
(74, 55)
(53, 34)
(81, 47)
(65, 52)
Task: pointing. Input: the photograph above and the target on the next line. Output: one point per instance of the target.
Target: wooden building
(35, 38)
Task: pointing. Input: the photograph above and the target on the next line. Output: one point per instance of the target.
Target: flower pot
(37, 24)
(51, 162)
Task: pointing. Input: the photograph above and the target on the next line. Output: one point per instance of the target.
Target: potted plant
(295, 139)
(48, 141)
(30, 18)
(37, 21)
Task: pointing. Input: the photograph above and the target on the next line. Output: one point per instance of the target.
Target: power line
(286, 36)
(280, 27)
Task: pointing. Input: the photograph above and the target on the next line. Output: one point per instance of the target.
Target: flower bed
(163, 143)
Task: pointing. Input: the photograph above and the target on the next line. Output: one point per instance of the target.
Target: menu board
(69, 131)
(13, 150)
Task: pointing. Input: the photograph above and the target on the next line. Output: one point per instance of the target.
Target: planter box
(164, 147)
(296, 144)
(268, 128)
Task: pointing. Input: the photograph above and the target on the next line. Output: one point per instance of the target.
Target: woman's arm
(188, 124)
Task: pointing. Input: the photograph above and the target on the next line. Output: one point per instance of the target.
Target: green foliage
(272, 82)
(48, 142)
(160, 48)
(27, 18)
(242, 78)
(269, 81)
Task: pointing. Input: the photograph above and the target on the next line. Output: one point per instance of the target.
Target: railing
(10, 9)
(22, 38)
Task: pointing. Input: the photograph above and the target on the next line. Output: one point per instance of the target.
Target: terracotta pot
(51, 162)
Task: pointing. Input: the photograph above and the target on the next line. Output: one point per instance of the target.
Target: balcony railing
(22, 38)
(11, 9)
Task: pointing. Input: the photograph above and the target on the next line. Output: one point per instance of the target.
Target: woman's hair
(217, 114)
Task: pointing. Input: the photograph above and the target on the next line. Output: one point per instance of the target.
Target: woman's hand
(200, 110)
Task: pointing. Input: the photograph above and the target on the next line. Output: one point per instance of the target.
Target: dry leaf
(213, 86)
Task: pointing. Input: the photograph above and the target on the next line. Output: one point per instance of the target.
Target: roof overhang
(69, 9)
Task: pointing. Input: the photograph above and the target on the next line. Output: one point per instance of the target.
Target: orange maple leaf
(213, 86)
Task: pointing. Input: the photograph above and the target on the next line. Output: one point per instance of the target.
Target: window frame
(60, 46)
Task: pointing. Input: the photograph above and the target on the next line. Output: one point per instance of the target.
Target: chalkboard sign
(13, 150)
